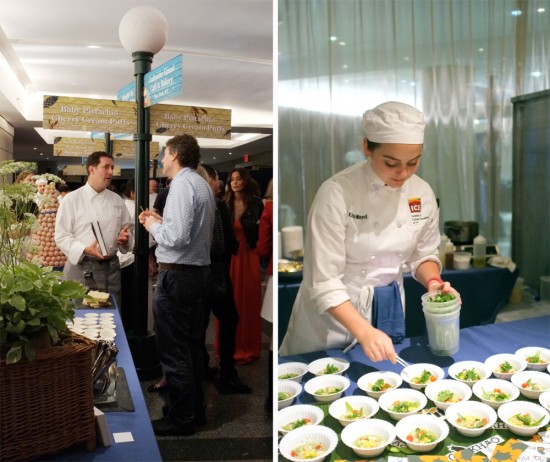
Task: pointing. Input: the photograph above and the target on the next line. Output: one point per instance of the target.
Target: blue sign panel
(128, 93)
(164, 82)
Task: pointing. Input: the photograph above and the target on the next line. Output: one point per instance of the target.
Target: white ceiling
(227, 48)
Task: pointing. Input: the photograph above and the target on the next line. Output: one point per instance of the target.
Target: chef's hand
(123, 236)
(444, 287)
(377, 345)
(93, 250)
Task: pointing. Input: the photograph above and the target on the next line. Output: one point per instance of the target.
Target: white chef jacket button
(363, 271)
(399, 224)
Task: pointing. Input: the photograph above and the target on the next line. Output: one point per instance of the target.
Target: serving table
(136, 424)
(484, 292)
(476, 344)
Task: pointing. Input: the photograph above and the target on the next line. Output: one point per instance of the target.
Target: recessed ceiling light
(93, 46)
(536, 74)
(35, 148)
(481, 50)
(406, 58)
(516, 13)
(333, 38)
(541, 10)
(213, 158)
(41, 154)
(230, 153)
(344, 66)
(342, 43)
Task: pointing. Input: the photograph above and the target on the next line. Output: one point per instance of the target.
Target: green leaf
(14, 354)
(33, 322)
(18, 302)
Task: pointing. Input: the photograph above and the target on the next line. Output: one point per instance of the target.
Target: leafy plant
(33, 299)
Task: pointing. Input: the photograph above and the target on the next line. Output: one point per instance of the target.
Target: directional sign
(160, 84)
(76, 147)
(86, 114)
(127, 149)
(164, 82)
(201, 122)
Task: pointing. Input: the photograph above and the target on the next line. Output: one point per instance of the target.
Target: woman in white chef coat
(365, 224)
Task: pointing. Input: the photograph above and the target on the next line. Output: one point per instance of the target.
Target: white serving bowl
(305, 435)
(402, 394)
(300, 369)
(409, 373)
(523, 353)
(300, 411)
(323, 381)
(506, 411)
(338, 409)
(544, 400)
(493, 363)
(288, 386)
(540, 378)
(366, 382)
(361, 428)
(483, 371)
(431, 423)
(459, 389)
(490, 385)
(467, 409)
(316, 367)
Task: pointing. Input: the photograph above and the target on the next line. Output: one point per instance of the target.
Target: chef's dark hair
(94, 159)
(187, 150)
(372, 145)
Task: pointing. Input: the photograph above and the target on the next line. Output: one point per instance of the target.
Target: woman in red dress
(246, 209)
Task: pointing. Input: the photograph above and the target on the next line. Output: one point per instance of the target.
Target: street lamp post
(143, 31)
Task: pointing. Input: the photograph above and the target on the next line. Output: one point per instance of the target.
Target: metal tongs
(401, 361)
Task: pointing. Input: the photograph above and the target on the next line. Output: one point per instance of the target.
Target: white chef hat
(394, 122)
(41, 181)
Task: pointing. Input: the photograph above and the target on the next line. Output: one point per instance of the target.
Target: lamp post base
(144, 354)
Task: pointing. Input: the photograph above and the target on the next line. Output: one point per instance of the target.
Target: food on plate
(329, 369)
(447, 396)
(471, 421)
(495, 395)
(535, 359)
(505, 368)
(368, 441)
(282, 395)
(404, 406)
(469, 375)
(96, 299)
(296, 424)
(287, 376)
(530, 385)
(424, 377)
(421, 436)
(524, 420)
(328, 391)
(441, 297)
(380, 385)
(351, 413)
(308, 451)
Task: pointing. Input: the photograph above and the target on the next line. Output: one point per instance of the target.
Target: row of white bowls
(462, 388)
(329, 439)
(517, 361)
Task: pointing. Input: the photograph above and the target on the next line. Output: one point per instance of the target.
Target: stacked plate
(95, 326)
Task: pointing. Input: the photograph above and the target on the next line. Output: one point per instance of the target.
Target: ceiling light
(344, 66)
(481, 50)
(541, 10)
(333, 38)
(35, 148)
(406, 58)
(536, 74)
(93, 46)
(213, 158)
(41, 154)
(342, 43)
(230, 153)
(516, 13)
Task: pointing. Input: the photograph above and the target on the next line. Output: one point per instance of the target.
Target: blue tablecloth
(484, 293)
(476, 344)
(144, 447)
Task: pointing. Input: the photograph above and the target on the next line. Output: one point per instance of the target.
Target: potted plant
(35, 301)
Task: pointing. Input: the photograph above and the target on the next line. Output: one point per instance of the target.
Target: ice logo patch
(415, 204)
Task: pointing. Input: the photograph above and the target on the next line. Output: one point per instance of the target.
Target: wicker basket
(47, 405)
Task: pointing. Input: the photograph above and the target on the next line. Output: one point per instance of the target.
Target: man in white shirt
(94, 204)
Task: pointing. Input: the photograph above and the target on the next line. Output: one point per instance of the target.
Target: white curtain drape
(458, 61)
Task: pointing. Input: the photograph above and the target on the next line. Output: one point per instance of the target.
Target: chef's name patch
(357, 216)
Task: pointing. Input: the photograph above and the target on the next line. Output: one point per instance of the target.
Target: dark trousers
(127, 296)
(179, 312)
(226, 313)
